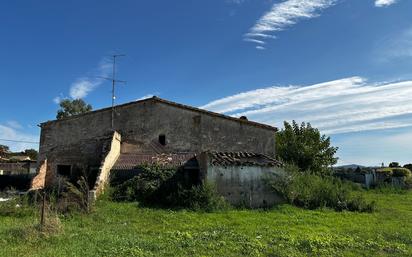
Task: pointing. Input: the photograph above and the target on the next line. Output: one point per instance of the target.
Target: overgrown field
(124, 229)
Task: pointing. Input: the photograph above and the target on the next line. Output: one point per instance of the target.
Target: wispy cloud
(14, 124)
(57, 99)
(145, 97)
(340, 106)
(84, 85)
(395, 46)
(10, 132)
(285, 14)
(383, 3)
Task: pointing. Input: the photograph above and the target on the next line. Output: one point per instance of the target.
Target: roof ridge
(161, 100)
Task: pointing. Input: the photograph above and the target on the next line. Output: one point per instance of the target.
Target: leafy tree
(72, 107)
(31, 153)
(394, 165)
(305, 147)
(4, 149)
(408, 166)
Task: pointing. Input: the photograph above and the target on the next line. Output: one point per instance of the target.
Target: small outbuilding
(240, 177)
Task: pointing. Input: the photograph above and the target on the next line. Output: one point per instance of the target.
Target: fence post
(43, 211)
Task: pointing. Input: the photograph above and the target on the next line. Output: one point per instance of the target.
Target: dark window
(64, 170)
(162, 139)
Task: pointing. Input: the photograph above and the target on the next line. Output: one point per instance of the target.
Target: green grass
(123, 229)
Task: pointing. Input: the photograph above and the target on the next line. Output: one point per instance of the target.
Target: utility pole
(114, 81)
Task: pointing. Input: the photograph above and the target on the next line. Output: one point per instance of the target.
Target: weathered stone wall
(39, 180)
(244, 185)
(105, 167)
(79, 140)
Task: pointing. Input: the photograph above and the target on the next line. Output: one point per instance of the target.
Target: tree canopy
(305, 147)
(72, 107)
(408, 166)
(31, 153)
(394, 165)
(4, 149)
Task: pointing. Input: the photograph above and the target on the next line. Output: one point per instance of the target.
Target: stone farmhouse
(233, 153)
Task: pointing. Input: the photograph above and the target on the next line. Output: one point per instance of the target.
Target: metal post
(113, 85)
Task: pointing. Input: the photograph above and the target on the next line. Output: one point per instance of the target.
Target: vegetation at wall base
(311, 191)
(168, 187)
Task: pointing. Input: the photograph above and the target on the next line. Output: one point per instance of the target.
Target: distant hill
(350, 166)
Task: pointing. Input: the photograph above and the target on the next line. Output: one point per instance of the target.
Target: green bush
(311, 191)
(401, 172)
(168, 187)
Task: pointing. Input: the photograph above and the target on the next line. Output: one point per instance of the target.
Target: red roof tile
(242, 159)
(129, 161)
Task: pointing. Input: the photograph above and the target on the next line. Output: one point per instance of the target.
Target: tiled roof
(242, 159)
(128, 161)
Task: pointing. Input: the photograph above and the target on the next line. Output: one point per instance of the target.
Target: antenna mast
(114, 81)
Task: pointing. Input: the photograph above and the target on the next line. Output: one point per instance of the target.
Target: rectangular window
(64, 170)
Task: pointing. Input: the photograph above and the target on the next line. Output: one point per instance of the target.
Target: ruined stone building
(162, 132)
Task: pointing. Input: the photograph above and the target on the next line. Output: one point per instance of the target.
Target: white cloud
(83, 86)
(286, 14)
(340, 106)
(57, 99)
(383, 3)
(9, 133)
(145, 97)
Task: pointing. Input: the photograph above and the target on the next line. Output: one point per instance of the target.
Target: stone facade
(149, 126)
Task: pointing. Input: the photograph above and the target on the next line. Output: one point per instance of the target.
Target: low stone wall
(105, 167)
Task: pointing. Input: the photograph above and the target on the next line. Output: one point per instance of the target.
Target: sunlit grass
(124, 229)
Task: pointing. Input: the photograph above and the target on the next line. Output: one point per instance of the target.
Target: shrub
(199, 197)
(167, 187)
(311, 191)
(401, 172)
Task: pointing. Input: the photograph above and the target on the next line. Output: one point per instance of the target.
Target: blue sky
(344, 65)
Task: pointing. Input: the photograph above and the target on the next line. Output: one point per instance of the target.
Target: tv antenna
(114, 81)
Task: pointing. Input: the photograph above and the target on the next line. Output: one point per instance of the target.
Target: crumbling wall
(109, 160)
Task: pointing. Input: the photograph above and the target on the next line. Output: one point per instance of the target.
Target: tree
(4, 149)
(408, 166)
(305, 147)
(72, 107)
(31, 153)
(394, 165)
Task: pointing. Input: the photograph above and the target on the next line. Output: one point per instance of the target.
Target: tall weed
(311, 191)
